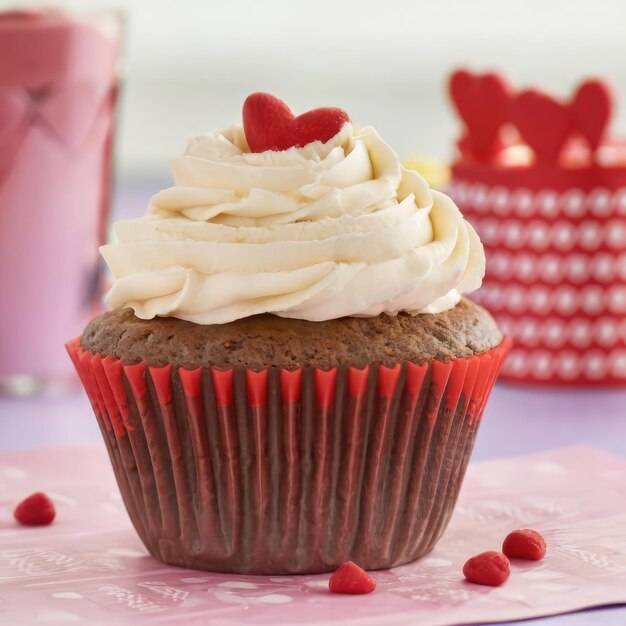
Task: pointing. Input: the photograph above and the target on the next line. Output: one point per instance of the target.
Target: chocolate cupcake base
(285, 472)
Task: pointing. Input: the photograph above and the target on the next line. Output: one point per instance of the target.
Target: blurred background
(188, 65)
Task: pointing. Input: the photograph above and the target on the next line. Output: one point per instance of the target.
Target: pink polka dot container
(546, 192)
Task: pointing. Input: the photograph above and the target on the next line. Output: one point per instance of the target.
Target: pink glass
(58, 85)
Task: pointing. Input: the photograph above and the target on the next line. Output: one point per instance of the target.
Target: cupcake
(546, 190)
(289, 377)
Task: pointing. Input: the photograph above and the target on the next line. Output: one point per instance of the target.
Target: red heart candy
(482, 102)
(350, 578)
(36, 510)
(543, 122)
(487, 568)
(591, 111)
(269, 124)
(524, 543)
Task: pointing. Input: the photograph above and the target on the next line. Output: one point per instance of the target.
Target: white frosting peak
(320, 232)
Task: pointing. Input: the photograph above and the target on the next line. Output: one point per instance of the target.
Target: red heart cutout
(269, 124)
(543, 122)
(14, 124)
(482, 102)
(591, 111)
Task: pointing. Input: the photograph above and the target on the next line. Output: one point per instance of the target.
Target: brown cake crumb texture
(267, 340)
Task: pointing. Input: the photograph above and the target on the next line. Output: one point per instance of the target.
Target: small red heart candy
(350, 578)
(524, 543)
(543, 122)
(592, 111)
(482, 102)
(36, 510)
(269, 124)
(488, 568)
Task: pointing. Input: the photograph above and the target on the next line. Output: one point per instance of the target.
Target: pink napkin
(89, 566)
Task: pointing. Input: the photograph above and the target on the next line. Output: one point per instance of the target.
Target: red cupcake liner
(556, 268)
(278, 471)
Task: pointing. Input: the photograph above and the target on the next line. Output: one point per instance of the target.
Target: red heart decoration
(350, 578)
(543, 122)
(36, 510)
(482, 102)
(591, 111)
(269, 124)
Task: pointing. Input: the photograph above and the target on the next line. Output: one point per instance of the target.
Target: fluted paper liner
(278, 471)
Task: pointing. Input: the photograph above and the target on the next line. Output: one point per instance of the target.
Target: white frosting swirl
(320, 232)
